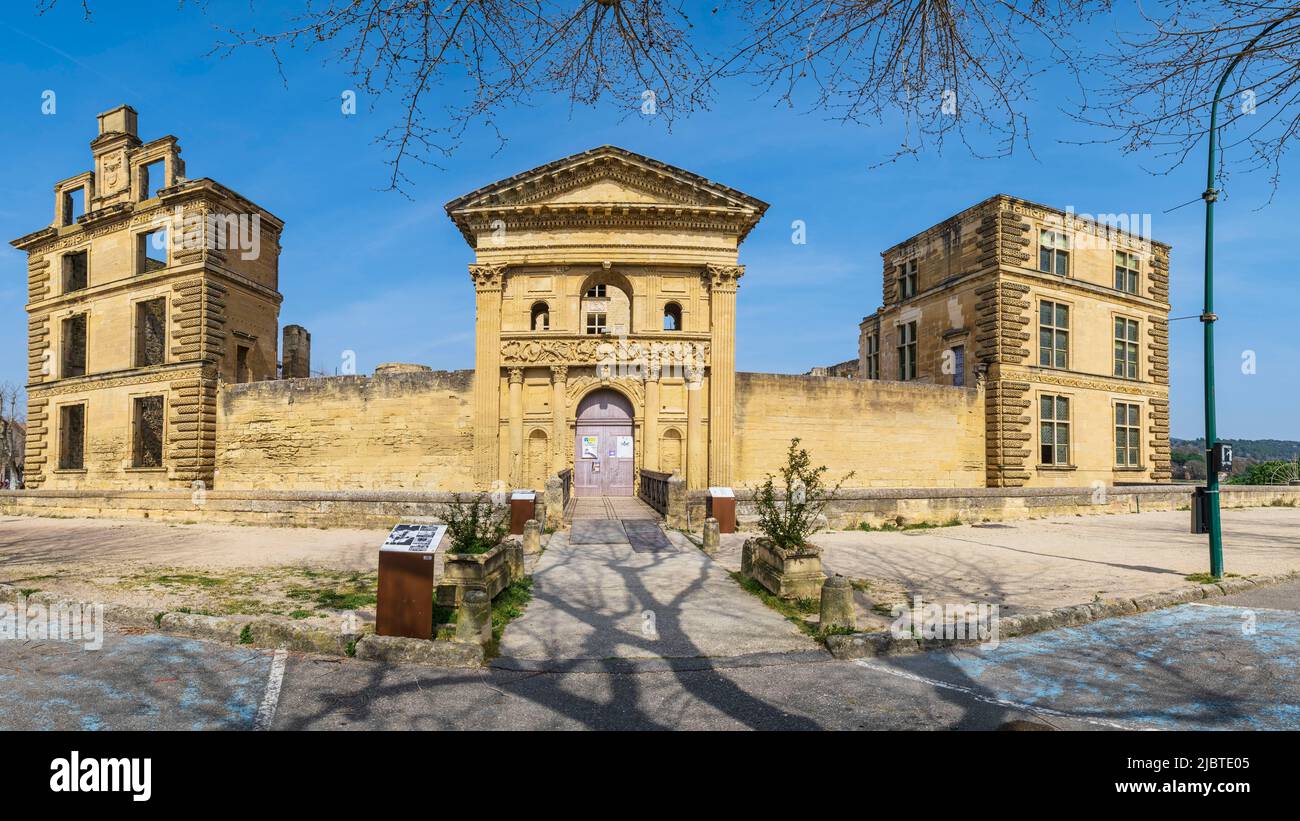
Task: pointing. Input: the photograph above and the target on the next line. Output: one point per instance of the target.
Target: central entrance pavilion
(605, 322)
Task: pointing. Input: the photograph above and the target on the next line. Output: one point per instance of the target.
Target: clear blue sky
(355, 258)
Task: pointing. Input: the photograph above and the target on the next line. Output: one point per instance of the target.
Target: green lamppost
(1208, 318)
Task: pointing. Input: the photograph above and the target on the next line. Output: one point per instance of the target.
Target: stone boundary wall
(852, 507)
(322, 508)
(405, 428)
(889, 434)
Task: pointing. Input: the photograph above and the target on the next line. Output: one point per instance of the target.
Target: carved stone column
(488, 280)
(517, 427)
(723, 281)
(559, 418)
(650, 447)
(696, 451)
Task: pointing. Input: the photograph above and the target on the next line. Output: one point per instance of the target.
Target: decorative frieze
(614, 351)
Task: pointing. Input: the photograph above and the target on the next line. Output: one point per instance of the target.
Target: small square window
(907, 281)
(1054, 430)
(72, 437)
(1054, 252)
(1053, 334)
(147, 429)
(151, 332)
(1126, 272)
(72, 346)
(74, 205)
(151, 254)
(76, 271)
(152, 177)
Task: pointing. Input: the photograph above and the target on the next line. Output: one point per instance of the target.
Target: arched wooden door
(603, 454)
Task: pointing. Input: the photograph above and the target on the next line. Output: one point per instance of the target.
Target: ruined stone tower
(145, 291)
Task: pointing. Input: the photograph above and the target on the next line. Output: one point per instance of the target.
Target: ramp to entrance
(616, 520)
(629, 600)
(608, 507)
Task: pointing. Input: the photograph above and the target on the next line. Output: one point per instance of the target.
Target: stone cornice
(1085, 381)
(98, 381)
(191, 195)
(160, 277)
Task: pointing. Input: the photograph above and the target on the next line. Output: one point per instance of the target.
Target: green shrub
(476, 526)
(789, 519)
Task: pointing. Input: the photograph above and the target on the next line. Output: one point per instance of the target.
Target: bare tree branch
(1156, 87)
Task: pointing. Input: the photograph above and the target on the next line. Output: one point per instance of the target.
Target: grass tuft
(794, 611)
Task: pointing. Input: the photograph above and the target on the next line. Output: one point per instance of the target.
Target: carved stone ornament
(619, 352)
(487, 277)
(723, 277)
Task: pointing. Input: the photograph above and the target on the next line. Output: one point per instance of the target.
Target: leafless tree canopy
(941, 67)
(1160, 83)
(938, 68)
(457, 63)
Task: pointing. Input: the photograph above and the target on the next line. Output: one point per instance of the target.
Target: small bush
(246, 635)
(788, 522)
(477, 526)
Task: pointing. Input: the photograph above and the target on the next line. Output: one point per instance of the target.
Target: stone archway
(604, 451)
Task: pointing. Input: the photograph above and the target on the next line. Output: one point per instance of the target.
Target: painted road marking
(1000, 702)
(266, 713)
(1175, 668)
(1240, 607)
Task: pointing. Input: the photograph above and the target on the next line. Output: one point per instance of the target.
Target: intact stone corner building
(1064, 319)
(1016, 346)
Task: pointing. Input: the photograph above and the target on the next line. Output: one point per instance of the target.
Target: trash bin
(523, 506)
(1200, 510)
(405, 594)
(722, 506)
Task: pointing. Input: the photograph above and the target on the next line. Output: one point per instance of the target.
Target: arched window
(672, 317)
(541, 317)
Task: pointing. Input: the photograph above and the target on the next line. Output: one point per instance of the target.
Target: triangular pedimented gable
(605, 180)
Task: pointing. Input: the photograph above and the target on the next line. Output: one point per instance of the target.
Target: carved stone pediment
(604, 182)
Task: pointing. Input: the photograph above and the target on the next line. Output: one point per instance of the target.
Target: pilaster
(488, 281)
(723, 282)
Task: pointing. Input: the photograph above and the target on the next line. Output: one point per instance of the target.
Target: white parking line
(1242, 607)
(271, 700)
(1000, 702)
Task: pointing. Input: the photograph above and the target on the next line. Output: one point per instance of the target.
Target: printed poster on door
(624, 447)
(590, 447)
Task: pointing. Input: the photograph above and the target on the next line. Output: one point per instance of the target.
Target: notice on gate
(590, 447)
(625, 447)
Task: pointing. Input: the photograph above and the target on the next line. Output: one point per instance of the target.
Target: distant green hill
(1260, 450)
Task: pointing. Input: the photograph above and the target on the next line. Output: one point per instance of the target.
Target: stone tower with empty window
(146, 290)
(1063, 317)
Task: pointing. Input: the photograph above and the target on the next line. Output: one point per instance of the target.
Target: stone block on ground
(402, 650)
